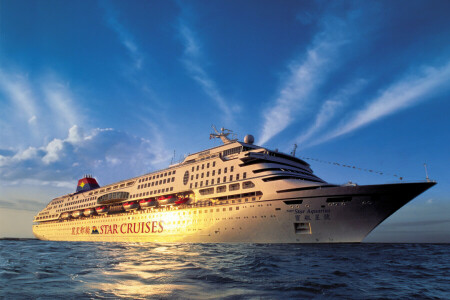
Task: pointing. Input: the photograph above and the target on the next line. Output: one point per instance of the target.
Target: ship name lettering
(318, 211)
(125, 228)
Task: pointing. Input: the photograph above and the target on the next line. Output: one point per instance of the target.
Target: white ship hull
(344, 214)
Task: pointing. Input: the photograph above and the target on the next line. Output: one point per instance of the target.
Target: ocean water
(33, 269)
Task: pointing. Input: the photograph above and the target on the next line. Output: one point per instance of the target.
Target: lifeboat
(101, 209)
(167, 200)
(181, 200)
(148, 202)
(65, 215)
(130, 205)
(88, 212)
(77, 214)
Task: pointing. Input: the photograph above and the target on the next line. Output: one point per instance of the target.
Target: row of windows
(152, 192)
(231, 187)
(154, 183)
(158, 176)
(218, 181)
(80, 201)
(203, 166)
(213, 173)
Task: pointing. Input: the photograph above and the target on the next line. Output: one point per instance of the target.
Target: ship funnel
(87, 183)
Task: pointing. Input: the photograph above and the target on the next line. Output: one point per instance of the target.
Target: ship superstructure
(236, 192)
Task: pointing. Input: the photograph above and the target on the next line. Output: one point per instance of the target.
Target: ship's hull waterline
(339, 214)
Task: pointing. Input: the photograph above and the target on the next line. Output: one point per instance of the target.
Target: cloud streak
(35, 108)
(193, 63)
(305, 77)
(125, 37)
(330, 108)
(403, 94)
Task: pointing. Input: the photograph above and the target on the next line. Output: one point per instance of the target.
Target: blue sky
(112, 88)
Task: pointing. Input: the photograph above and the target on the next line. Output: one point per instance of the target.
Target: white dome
(249, 139)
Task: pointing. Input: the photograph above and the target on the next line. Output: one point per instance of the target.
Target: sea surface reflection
(49, 270)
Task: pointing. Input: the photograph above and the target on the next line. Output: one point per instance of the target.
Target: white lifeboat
(167, 200)
(77, 214)
(182, 200)
(148, 202)
(65, 215)
(101, 209)
(130, 205)
(88, 212)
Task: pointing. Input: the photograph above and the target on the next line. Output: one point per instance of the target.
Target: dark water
(53, 270)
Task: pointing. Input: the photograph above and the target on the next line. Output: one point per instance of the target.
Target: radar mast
(223, 135)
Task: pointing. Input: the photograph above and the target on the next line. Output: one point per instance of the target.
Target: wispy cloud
(305, 76)
(61, 102)
(330, 108)
(193, 62)
(409, 91)
(18, 89)
(35, 107)
(125, 37)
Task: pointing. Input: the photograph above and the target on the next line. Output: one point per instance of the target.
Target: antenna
(293, 151)
(426, 172)
(173, 157)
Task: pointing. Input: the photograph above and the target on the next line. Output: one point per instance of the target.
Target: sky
(117, 89)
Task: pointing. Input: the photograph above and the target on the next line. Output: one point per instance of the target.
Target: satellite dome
(249, 139)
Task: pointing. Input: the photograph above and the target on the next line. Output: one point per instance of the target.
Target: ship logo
(94, 230)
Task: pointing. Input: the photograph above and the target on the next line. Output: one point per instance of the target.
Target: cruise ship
(234, 193)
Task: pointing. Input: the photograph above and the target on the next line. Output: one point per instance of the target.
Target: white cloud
(192, 62)
(405, 93)
(54, 150)
(305, 76)
(109, 153)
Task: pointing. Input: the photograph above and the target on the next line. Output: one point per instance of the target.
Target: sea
(33, 269)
